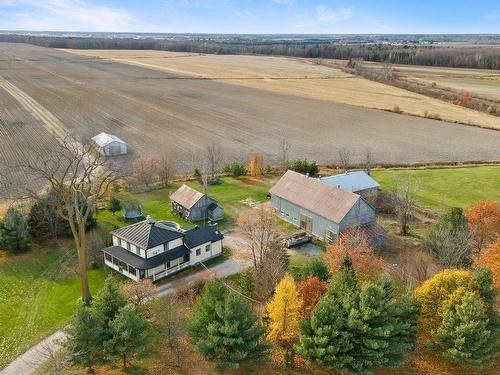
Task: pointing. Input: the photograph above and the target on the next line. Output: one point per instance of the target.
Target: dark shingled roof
(200, 235)
(147, 234)
(145, 264)
(212, 206)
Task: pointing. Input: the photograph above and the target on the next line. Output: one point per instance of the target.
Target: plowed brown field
(306, 79)
(155, 110)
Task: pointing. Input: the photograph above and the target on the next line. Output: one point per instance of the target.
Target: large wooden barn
(322, 209)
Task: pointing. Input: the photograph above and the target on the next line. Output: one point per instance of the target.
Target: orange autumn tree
(484, 222)
(355, 244)
(256, 165)
(310, 290)
(490, 257)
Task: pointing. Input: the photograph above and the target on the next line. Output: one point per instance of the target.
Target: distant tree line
(460, 57)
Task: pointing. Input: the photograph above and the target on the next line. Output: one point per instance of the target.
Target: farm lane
(153, 113)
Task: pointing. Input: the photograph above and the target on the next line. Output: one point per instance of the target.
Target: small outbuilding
(193, 205)
(109, 144)
(358, 182)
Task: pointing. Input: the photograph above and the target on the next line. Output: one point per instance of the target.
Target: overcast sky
(253, 16)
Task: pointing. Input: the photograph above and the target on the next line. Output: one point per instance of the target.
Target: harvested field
(303, 78)
(481, 83)
(154, 111)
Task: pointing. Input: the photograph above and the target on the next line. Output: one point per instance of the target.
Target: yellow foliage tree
(284, 311)
(435, 291)
(256, 165)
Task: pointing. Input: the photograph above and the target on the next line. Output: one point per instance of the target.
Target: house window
(109, 258)
(198, 252)
(156, 252)
(138, 251)
(116, 261)
(207, 248)
(132, 270)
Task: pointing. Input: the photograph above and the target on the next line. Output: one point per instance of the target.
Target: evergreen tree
(358, 329)
(284, 312)
(213, 295)
(109, 300)
(224, 330)
(14, 232)
(114, 205)
(45, 221)
(85, 338)
(466, 334)
(131, 335)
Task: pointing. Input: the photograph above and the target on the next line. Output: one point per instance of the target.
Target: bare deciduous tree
(214, 160)
(368, 160)
(388, 72)
(284, 152)
(344, 158)
(145, 170)
(272, 270)
(138, 292)
(170, 322)
(258, 226)
(404, 203)
(166, 168)
(452, 248)
(78, 177)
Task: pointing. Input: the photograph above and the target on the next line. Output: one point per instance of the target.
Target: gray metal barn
(323, 210)
(109, 145)
(358, 182)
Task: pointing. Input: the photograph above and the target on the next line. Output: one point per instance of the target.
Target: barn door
(306, 223)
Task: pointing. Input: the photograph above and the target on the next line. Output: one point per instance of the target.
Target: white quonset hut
(109, 144)
(155, 249)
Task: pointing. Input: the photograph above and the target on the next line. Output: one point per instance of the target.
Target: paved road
(28, 362)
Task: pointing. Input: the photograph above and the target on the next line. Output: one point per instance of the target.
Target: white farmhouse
(155, 249)
(109, 144)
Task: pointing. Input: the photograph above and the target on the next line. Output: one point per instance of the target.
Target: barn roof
(186, 196)
(103, 139)
(312, 194)
(147, 234)
(351, 181)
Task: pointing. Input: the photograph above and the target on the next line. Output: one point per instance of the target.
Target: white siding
(116, 241)
(214, 250)
(175, 243)
(156, 250)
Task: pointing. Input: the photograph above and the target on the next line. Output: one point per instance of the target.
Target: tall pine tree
(224, 329)
(468, 334)
(358, 329)
(14, 232)
(85, 338)
(131, 335)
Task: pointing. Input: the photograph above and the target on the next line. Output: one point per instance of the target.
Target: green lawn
(229, 193)
(38, 294)
(440, 189)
